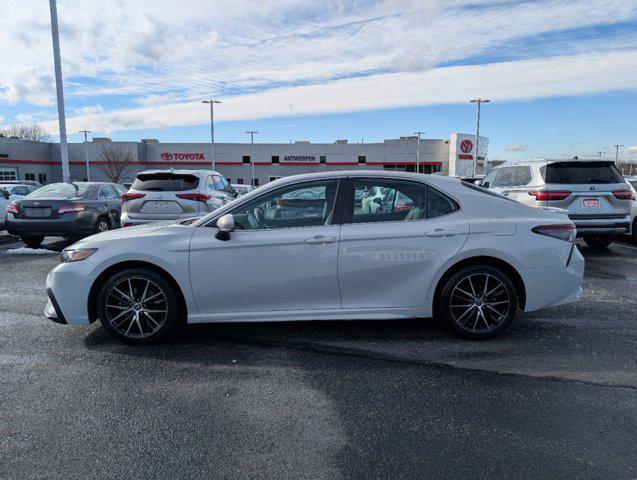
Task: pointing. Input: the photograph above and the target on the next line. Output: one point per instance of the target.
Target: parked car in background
(593, 192)
(72, 210)
(158, 195)
(301, 203)
(31, 183)
(242, 188)
(632, 181)
(462, 253)
(9, 193)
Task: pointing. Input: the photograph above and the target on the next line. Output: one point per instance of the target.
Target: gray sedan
(72, 210)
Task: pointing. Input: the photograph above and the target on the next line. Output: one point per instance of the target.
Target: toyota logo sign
(166, 156)
(466, 146)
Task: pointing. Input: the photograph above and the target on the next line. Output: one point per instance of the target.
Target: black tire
(484, 310)
(634, 230)
(598, 243)
(33, 241)
(137, 326)
(102, 225)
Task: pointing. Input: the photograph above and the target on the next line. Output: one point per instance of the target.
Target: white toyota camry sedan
(434, 246)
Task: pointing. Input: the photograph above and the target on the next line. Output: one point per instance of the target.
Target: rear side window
(581, 172)
(165, 182)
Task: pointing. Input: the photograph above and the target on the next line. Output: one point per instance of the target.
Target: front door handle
(319, 240)
(439, 232)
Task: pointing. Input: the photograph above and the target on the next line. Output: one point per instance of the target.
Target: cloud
(631, 150)
(89, 110)
(517, 147)
(501, 82)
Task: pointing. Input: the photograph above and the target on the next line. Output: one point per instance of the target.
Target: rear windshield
(579, 172)
(61, 190)
(165, 182)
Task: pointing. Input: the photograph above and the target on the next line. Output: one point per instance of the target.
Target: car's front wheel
(598, 242)
(478, 301)
(33, 241)
(138, 306)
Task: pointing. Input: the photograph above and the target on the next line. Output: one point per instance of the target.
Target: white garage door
(8, 173)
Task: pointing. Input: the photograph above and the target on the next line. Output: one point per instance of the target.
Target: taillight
(12, 208)
(624, 194)
(198, 197)
(70, 209)
(281, 202)
(565, 231)
(132, 196)
(402, 208)
(545, 195)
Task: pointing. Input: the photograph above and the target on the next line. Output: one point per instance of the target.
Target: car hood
(127, 232)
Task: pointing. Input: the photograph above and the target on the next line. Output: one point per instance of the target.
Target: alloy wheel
(136, 307)
(102, 226)
(479, 303)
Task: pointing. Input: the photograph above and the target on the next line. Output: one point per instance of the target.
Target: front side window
(487, 182)
(301, 205)
(121, 190)
(505, 177)
(397, 200)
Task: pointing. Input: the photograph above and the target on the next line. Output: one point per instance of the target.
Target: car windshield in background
(580, 172)
(165, 182)
(60, 190)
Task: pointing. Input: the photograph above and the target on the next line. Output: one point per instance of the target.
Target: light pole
(57, 63)
(252, 132)
(617, 153)
(419, 133)
(212, 129)
(479, 101)
(88, 174)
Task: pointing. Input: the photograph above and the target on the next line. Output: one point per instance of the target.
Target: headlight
(76, 254)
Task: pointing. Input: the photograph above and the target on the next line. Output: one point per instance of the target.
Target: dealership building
(40, 161)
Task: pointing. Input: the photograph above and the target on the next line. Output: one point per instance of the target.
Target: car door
(269, 263)
(112, 202)
(388, 258)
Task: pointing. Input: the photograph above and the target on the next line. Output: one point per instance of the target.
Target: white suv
(594, 193)
(174, 195)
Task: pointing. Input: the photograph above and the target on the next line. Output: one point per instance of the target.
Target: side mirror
(484, 184)
(378, 201)
(225, 224)
(479, 183)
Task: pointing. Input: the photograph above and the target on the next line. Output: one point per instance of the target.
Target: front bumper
(52, 310)
(68, 287)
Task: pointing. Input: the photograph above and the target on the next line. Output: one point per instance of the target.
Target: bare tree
(114, 160)
(35, 133)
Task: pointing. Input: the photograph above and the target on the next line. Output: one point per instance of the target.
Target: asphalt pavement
(554, 397)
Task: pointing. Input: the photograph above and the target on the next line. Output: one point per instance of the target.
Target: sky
(561, 74)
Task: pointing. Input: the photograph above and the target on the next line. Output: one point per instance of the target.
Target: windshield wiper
(154, 189)
(597, 180)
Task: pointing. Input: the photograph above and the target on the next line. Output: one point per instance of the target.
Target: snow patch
(29, 251)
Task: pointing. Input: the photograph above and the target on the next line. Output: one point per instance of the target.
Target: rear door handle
(319, 240)
(439, 232)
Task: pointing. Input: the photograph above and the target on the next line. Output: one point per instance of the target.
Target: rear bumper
(69, 225)
(601, 226)
(554, 285)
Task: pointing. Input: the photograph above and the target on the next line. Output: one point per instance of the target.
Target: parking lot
(554, 396)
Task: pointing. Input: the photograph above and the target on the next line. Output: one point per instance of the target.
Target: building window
(273, 178)
(322, 159)
(362, 159)
(8, 174)
(240, 181)
(42, 178)
(275, 159)
(246, 159)
(255, 182)
(29, 176)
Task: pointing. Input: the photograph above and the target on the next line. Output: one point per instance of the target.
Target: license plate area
(156, 206)
(37, 212)
(590, 203)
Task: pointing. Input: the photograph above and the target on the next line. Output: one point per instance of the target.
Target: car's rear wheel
(478, 301)
(634, 230)
(598, 242)
(33, 241)
(103, 225)
(137, 306)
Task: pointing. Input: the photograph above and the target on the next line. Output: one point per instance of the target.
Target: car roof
(181, 171)
(546, 161)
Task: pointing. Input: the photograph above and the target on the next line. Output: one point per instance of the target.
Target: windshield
(61, 190)
(581, 172)
(165, 182)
